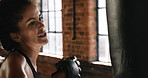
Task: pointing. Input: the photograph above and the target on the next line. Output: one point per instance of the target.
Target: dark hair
(10, 15)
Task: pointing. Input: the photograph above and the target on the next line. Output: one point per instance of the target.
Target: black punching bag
(128, 37)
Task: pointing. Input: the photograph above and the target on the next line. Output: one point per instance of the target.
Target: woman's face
(32, 30)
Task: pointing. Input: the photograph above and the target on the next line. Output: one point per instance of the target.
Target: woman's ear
(15, 36)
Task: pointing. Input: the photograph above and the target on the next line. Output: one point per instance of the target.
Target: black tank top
(29, 63)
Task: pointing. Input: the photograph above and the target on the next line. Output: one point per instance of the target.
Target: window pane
(51, 21)
(52, 43)
(103, 29)
(104, 54)
(51, 5)
(45, 5)
(58, 14)
(58, 5)
(102, 3)
(58, 24)
(51, 46)
(59, 44)
(59, 21)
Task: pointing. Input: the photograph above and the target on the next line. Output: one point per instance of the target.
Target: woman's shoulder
(14, 66)
(15, 59)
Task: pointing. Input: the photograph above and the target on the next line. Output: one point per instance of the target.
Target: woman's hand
(67, 68)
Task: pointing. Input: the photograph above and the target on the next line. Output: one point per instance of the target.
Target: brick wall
(79, 34)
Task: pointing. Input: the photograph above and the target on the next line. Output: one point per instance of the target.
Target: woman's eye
(32, 23)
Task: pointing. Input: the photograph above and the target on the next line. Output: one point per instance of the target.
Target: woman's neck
(31, 53)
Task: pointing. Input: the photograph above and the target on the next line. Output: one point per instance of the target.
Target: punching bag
(128, 37)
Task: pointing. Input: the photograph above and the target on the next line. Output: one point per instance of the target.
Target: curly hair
(10, 15)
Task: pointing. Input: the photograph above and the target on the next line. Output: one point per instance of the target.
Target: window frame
(100, 35)
(55, 32)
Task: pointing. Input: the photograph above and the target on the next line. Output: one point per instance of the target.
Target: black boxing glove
(71, 65)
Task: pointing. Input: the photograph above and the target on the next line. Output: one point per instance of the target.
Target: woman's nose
(41, 25)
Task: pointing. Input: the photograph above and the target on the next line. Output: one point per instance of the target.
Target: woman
(22, 34)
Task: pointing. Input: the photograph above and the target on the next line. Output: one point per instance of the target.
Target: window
(103, 42)
(52, 17)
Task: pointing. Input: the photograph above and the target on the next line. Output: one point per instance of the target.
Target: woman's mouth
(42, 35)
